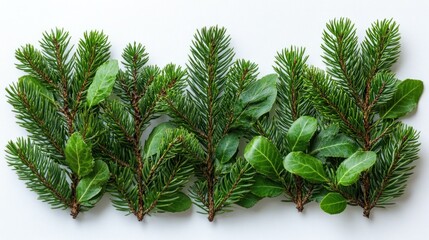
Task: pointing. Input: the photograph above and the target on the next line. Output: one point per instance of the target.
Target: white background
(258, 29)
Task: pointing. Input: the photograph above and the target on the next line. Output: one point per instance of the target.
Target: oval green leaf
(248, 200)
(102, 85)
(264, 157)
(349, 170)
(180, 203)
(79, 155)
(256, 100)
(264, 187)
(300, 133)
(33, 83)
(404, 100)
(92, 184)
(336, 146)
(152, 144)
(227, 147)
(305, 166)
(333, 203)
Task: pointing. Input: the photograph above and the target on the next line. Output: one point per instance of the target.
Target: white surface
(258, 28)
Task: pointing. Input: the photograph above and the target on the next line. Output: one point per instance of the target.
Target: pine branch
(333, 103)
(362, 74)
(92, 51)
(145, 179)
(380, 49)
(396, 163)
(219, 99)
(341, 55)
(37, 112)
(290, 65)
(44, 103)
(41, 174)
(233, 186)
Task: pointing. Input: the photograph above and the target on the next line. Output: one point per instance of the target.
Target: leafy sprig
(57, 161)
(146, 177)
(360, 92)
(218, 101)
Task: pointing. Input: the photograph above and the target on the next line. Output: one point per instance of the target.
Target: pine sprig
(333, 102)
(37, 112)
(41, 174)
(230, 188)
(290, 65)
(219, 101)
(49, 103)
(361, 93)
(291, 105)
(145, 178)
(395, 165)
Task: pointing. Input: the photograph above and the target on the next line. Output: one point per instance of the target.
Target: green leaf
(249, 200)
(256, 99)
(264, 187)
(227, 147)
(103, 82)
(300, 133)
(305, 166)
(154, 140)
(222, 168)
(264, 157)
(349, 170)
(404, 100)
(78, 155)
(35, 84)
(92, 184)
(333, 203)
(328, 143)
(181, 203)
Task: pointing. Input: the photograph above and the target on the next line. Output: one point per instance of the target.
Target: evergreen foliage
(218, 101)
(362, 154)
(146, 177)
(56, 160)
(334, 136)
(360, 92)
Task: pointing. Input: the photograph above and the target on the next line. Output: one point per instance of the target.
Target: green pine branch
(361, 93)
(41, 174)
(146, 178)
(218, 101)
(267, 150)
(50, 103)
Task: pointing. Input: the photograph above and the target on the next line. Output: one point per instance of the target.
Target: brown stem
(210, 132)
(137, 151)
(298, 197)
(367, 109)
(74, 206)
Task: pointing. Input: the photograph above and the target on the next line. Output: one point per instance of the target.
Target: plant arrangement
(362, 154)
(58, 104)
(334, 136)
